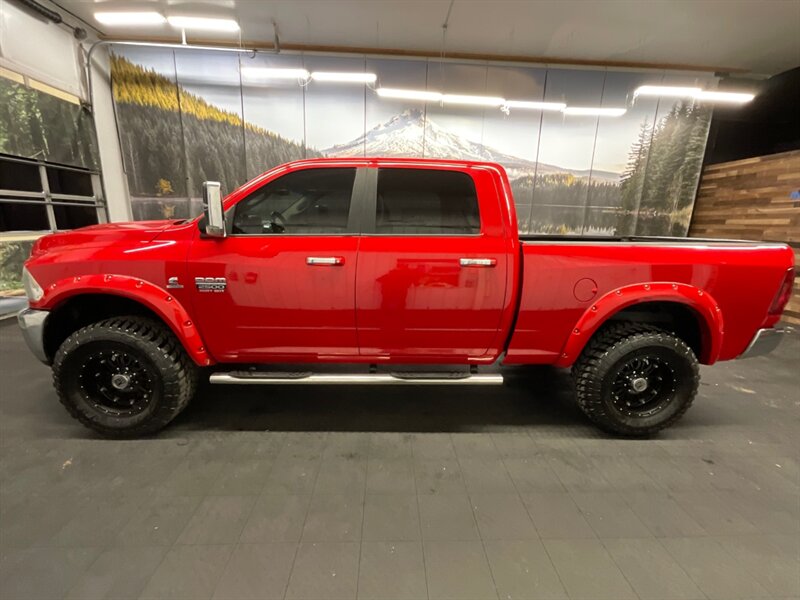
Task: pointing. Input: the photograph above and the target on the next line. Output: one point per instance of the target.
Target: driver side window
(311, 201)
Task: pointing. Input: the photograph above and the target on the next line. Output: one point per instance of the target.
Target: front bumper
(31, 321)
(763, 342)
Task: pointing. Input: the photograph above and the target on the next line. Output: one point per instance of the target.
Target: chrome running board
(247, 378)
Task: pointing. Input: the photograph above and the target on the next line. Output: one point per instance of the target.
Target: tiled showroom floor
(404, 493)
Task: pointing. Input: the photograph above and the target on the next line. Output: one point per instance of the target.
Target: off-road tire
(174, 377)
(613, 347)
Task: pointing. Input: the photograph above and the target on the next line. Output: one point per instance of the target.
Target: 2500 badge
(210, 284)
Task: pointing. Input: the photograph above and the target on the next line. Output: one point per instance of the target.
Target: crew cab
(387, 271)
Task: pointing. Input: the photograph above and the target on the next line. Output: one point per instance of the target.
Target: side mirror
(212, 209)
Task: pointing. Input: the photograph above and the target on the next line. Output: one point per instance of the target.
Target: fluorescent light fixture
(204, 23)
(271, 73)
(473, 100)
(344, 77)
(116, 19)
(535, 105)
(731, 97)
(594, 111)
(667, 90)
(409, 94)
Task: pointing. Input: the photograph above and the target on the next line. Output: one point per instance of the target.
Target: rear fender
(701, 302)
(158, 300)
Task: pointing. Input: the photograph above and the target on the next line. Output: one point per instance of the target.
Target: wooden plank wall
(751, 199)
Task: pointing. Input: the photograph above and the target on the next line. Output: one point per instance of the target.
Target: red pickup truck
(387, 271)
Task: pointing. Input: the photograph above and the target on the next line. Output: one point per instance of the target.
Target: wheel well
(85, 309)
(675, 317)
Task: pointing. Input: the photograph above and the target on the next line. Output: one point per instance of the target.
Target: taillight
(784, 293)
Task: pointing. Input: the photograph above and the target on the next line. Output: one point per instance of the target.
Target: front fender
(701, 302)
(158, 300)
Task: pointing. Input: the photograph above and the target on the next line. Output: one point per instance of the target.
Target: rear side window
(426, 202)
(312, 201)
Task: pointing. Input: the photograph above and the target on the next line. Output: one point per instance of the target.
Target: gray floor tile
(650, 569)
(292, 475)
(334, 518)
(193, 476)
(763, 510)
(623, 473)
(242, 477)
(256, 572)
(339, 475)
(555, 515)
(218, 520)
(118, 574)
(43, 573)
(188, 573)
(325, 571)
(609, 515)
(484, 475)
(438, 477)
(533, 475)
(474, 445)
(392, 571)
(773, 561)
(447, 517)
(299, 445)
(388, 446)
(390, 476)
(522, 570)
(515, 445)
(712, 514)
(587, 570)
(98, 522)
(391, 517)
(276, 518)
(502, 517)
(577, 473)
(662, 515)
(159, 521)
(36, 521)
(458, 571)
(716, 573)
(433, 446)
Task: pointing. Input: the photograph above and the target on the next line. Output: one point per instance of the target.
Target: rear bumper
(763, 342)
(31, 321)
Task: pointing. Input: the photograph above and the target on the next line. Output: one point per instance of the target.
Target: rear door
(281, 285)
(432, 266)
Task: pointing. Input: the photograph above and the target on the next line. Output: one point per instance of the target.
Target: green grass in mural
(12, 256)
(169, 133)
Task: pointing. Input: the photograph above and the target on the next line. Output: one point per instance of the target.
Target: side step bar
(242, 378)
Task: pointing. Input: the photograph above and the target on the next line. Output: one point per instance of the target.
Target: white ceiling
(756, 36)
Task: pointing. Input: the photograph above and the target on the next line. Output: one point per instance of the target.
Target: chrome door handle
(325, 261)
(477, 262)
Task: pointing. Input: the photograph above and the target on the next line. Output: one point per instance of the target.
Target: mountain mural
(411, 133)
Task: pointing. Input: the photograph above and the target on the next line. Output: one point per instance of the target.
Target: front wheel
(635, 380)
(124, 377)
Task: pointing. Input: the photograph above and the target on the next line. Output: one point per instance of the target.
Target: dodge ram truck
(387, 271)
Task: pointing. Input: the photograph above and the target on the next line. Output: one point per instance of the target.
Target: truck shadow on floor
(538, 397)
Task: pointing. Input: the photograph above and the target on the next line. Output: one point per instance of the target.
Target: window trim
(370, 211)
(353, 217)
(50, 199)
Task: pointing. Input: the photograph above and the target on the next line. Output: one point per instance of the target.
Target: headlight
(33, 290)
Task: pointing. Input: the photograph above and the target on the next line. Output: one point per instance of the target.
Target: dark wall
(768, 125)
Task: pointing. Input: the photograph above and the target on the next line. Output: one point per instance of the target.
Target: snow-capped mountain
(411, 134)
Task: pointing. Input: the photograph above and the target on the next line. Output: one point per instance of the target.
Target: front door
(431, 279)
(281, 285)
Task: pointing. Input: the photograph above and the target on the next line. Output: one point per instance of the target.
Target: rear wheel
(124, 377)
(635, 379)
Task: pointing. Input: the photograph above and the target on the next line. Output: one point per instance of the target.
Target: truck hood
(104, 235)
